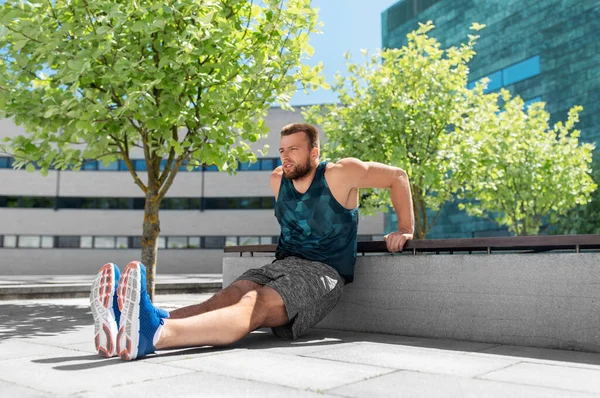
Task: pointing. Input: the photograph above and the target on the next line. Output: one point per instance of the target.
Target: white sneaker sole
(129, 294)
(101, 303)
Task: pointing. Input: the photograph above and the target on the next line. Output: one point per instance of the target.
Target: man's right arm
(276, 176)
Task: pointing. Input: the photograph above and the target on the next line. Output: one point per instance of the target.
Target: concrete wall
(87, 261)
(120, 184)
(173, 222)
(542, 300)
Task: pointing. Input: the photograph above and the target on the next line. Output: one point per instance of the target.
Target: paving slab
(199, 384)
(72, 372)
(20, 349)
(415, 358)
(292, 371)
(545, 355)
(13, 390)
(416, 385)
(560, 377)
(46, 349)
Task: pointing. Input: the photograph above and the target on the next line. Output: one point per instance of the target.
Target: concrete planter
(547, 300)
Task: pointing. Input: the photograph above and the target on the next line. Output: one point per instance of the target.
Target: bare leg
(258, 308)
(226, 297)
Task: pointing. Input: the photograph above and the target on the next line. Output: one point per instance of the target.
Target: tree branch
(22, 34)
(129, 164)
(167, 169)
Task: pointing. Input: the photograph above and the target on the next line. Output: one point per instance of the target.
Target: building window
(267, 202)
(71, 242)
(136, 242)
(175, 204)
(6, 162)
(521, 71)
(194, 242)
(267, 164)
(87, 242)
(104, 242)
(195, 203)
(139, 164)
(249, 203)
(177, 242)
(139, 203)
(27, 242)
(47, 242)
(249, 240)
(510, 75)
(37, 202)
(122, 242)
(266, 240)
(90, 165)
(231, 241)
(12, 201)
(113, 203)
(10, 241)
(212, 167)
(125, 242)
(112, 166)
(247, 166)
(494, 84)
(214, 242)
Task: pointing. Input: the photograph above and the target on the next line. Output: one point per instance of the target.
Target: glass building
(542, 50)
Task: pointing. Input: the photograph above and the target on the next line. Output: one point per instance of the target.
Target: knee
(238, 289)
(254, 301)
(250, 298)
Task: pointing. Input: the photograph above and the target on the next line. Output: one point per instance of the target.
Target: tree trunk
(419, 210)
(151, 230)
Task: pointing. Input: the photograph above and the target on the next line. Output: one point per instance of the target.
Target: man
(317, 209)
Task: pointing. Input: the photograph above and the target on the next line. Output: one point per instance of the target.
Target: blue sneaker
(139, 317)
(105, 309)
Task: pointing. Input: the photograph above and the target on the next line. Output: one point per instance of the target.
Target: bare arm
(361, 174)
(275, 180)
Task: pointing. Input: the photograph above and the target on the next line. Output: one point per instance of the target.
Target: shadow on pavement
(88, 357)
(33, 320)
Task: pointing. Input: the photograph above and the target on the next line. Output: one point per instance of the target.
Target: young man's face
(295, 155)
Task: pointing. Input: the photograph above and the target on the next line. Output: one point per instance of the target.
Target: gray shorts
(309, 289)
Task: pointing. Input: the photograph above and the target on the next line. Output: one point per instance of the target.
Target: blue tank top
(315, 226)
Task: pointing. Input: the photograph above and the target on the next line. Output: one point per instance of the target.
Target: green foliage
(583, 219)
(526, 170)
(185, 80)
(401, 108)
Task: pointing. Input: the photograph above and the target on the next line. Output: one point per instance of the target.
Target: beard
(299, 170)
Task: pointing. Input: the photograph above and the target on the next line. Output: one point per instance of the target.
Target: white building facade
(71, 223)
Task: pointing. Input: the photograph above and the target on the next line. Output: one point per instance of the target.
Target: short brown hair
(311, 132)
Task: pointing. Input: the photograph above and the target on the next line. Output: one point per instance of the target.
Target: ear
(314, 153)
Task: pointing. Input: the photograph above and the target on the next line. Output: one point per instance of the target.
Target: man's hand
(395, 241)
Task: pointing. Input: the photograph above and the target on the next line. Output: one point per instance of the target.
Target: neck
(303, 183)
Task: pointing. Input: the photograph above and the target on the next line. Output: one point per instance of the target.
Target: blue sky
(349, 25)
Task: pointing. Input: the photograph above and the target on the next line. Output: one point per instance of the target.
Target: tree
(401, 108)
(188, 82)
(527, 170)
(583, 219)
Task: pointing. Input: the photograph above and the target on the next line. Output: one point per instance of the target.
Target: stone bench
(549, 300)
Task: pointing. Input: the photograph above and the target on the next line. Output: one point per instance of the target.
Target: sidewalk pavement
(73, 286)
(46, 349)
